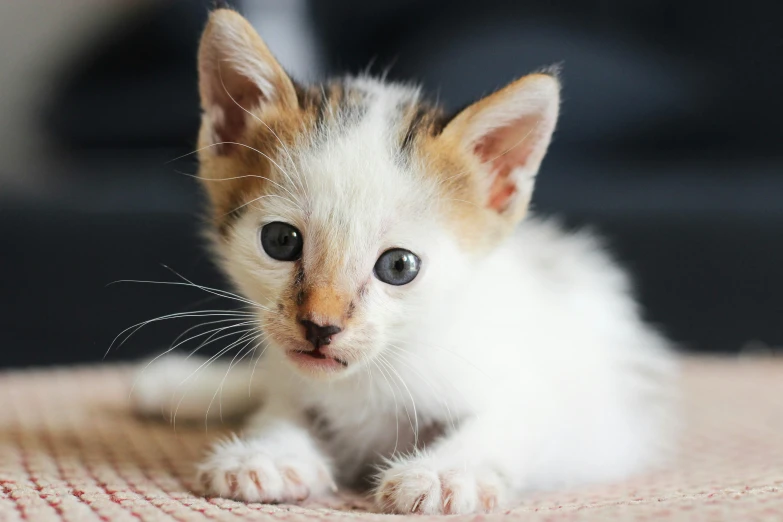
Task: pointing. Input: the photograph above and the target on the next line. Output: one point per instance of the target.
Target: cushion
(70, 449)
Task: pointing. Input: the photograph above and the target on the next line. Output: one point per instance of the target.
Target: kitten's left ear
(237, 73)
(507, 134)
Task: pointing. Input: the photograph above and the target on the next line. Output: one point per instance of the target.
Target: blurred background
(669, 144)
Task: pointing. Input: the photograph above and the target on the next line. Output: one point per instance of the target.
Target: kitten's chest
(378, 416)
(358, 442)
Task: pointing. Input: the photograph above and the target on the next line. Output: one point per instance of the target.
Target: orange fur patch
(475, 180)
(325, 305)
(457, 174)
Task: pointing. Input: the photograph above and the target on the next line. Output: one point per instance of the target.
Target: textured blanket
(70, 449)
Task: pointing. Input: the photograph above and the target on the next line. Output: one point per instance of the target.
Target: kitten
(416, 328)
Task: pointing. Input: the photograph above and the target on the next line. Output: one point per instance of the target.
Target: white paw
(253, 471)
(419, 487)
(176, 387)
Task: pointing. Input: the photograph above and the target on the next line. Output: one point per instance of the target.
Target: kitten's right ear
(506, 134)
(237, 73)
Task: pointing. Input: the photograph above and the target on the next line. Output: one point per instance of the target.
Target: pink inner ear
(502, 151)
(225, 84)
(502, 188)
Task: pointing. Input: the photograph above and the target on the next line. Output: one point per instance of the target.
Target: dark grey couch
(669, 144)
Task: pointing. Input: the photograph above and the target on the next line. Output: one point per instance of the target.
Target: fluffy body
(516, 360)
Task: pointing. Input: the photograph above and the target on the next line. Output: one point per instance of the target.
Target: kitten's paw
(419, 487)
(252, 471)
(174, 387)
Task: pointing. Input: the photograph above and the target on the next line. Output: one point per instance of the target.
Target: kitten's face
(342, 210)
(340, 237)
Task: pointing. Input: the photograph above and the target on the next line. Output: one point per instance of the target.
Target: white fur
(239, 52)
(176, 387)
(532, 356)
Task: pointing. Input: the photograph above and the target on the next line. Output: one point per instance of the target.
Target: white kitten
(413, 330)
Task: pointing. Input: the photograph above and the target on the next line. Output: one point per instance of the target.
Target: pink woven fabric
(71, 450)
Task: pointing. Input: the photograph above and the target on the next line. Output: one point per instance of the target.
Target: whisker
(222, 293)
(206, 364)
(175, 346)
(255, 365)
(189, 284)
(436, 393)
(190, 329)
(231, 365)
(396, 407)
(178, 315)
(247, 147)
(285, 149)
(213, 358)
(415, 419)
(202, 178)
(212, 334)
(212, 338)
(259, 198)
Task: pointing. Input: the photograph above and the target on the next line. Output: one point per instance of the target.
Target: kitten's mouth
(316, 359)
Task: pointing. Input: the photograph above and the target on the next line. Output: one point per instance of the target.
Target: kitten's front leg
(276, 461)
(463, 473)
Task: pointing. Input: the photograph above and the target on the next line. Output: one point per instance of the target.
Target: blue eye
(282, 241)
(397, 267)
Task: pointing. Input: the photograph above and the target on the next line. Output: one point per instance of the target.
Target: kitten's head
(343, 208)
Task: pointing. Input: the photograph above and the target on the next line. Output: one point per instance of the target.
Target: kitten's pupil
(399, 265)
